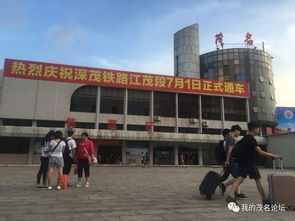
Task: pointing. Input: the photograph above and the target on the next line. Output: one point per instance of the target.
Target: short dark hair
(225, 132)
(58, 135)
(70, 133)
(85, 134)
(253, 125)
(235, 127)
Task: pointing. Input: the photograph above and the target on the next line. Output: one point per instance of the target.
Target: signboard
(114, 78)
(286, 119)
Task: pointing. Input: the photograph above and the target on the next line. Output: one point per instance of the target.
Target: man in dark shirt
(231, 167)
(244, 155)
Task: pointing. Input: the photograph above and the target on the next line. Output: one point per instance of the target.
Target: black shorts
(250, 170)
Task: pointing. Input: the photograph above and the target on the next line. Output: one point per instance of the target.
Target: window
(188, 106)
(136, 127)
(85, 125)
(188, 130)
(103, 126)
(255, 109)
(138, 102)
(112, 100)
(164, 129)
(84, 99)
(50, 123)
(261, 79)
(235, 109)
(17, 122)
(14, 145)
(211, 108)
(164, 104)
(240, 77)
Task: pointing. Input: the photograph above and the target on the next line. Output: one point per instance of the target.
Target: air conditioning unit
(204, 124)
(157, 118)
(193, 120)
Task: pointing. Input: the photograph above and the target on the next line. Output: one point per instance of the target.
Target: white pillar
(151, 153)
(152, 108)
(176, 112)
(176, 154)
(124, 152)
(97, 107)
(222, 113)
(247, 110)
(31, 150)
(125, 108)
(200, 115)
(200, 156)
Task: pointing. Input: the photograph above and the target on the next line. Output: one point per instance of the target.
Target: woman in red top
(84, 150)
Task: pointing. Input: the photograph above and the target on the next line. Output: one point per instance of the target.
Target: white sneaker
(78, 185)
(58, 188)
(50, 188)
(87, 184)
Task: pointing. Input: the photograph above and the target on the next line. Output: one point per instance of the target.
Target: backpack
(239, 151)
(220, 154)
(67, 151)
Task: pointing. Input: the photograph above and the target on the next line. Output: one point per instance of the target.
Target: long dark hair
(48, 137)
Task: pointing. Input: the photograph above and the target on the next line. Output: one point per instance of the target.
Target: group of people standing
(60, 153)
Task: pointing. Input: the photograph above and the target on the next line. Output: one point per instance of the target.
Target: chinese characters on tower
(219, 40)
(248, 39)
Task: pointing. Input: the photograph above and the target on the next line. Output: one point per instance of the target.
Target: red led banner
(123, 79)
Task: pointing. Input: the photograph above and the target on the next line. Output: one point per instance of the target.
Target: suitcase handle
(281, 164)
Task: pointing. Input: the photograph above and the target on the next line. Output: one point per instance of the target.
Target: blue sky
(137, 35)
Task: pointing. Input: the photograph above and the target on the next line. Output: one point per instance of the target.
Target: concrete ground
(124, 193)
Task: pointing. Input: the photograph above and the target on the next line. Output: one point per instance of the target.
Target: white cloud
(157, 64)
(64, 36)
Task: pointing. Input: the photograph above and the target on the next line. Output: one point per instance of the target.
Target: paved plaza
(124, 193)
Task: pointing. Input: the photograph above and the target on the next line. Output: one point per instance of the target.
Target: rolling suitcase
(209, 184)
(281, 186)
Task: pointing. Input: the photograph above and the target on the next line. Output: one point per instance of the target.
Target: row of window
(112, 102)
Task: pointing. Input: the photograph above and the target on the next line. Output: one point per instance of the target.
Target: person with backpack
(68, 156)
(85, 154)
(231, 167)
(56, 148)
(220, 149)
(44, 160)
(244, 154)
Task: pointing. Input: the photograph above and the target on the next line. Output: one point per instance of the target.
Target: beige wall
(284, 145)
(32, 99)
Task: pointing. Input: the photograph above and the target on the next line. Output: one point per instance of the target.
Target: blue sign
(286, 119)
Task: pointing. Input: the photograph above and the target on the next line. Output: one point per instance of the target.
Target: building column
(151, 153)
(124, 152)
(200, 115)
(200, 155)
(34, 124)
(31, 151)
(247, 110)
(176, 154)
(176, 112)
(96, 150)
(152, 108)
(97, 107)
(222, 113)
(125, 108)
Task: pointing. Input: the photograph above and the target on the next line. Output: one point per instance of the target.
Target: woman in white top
(56, 148)
(44, 160)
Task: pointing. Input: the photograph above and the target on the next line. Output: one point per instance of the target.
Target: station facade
(125, 113)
